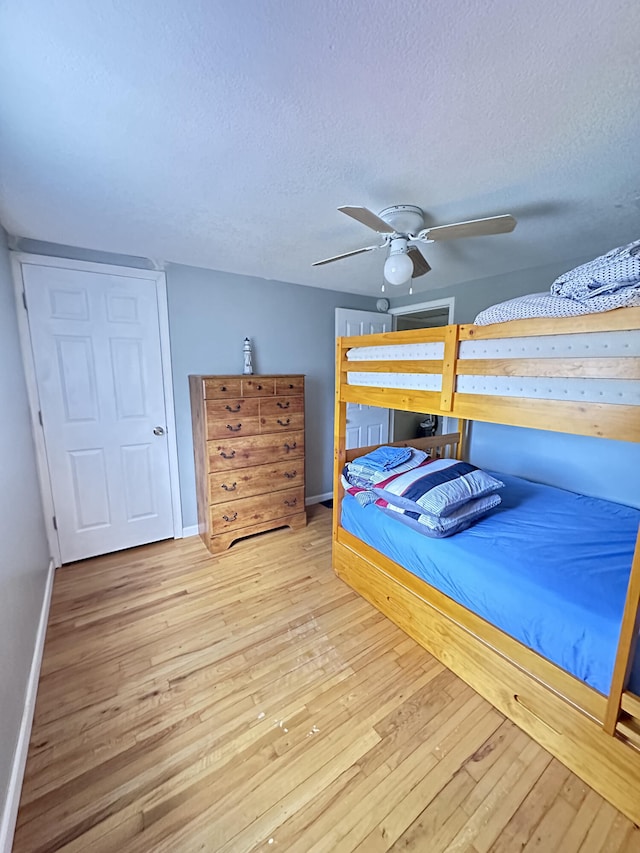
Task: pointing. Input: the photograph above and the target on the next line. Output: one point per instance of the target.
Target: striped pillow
(438, 489)
(438, 528)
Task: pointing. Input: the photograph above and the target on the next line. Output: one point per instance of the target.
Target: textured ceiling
(225, 134)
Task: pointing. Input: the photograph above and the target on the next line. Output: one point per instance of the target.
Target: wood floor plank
(492, 815)
(599, 829)
(577, 831)
(440, 822)
(549, 833)
(535, 805)
(409, 787)
(251, 701)
(621, 836)
(305, 755)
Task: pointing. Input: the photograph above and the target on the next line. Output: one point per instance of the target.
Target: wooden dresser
(248, 442)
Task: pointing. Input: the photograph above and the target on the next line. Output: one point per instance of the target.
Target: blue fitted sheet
(549, 567)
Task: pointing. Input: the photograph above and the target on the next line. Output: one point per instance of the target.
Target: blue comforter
(549, 567)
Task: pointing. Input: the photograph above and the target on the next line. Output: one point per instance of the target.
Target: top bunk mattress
(548, 567)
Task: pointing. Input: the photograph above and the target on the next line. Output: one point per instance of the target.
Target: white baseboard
(315, 499)
(192, 530)
(12, 801)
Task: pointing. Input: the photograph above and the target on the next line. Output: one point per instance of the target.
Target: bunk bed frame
(597, 736)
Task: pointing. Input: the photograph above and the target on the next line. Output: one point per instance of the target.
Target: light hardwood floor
(252, 701)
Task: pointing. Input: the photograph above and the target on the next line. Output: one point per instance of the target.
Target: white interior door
(365, 424)
(96, 349)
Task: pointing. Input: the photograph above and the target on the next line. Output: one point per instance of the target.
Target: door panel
(127, 365)
(96, 347)
(77, 378)
(365, 424)
(137, 471)
(90, 488)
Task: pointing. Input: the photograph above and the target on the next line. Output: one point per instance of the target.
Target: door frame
(448, 424)
(24, 330)
(418, 307)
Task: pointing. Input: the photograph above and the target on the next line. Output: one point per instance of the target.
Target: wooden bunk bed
(597, 736)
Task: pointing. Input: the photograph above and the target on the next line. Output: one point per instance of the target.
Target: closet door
(96, 348)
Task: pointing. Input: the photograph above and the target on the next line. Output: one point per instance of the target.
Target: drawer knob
(224, 388)
(290, 474)
(227, 455)
(234, 428)
(230, 518)
(284, 423)
(233, 408)
(292, 502)
(230, 488)
(289, 447)
(290, 385)
(284, 405)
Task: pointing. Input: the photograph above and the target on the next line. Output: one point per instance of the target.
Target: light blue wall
(292, 329)
(593, 466)
(24, 556)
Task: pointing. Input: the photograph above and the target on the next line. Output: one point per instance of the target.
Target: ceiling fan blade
(368, 218)
(472, 228)
(344, 255)
(420, 265)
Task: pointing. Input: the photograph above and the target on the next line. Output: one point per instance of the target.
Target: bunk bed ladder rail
(622, 714)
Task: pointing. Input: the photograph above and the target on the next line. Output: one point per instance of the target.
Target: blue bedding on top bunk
(549, 567)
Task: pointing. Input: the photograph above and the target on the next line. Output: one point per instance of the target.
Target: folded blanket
(385, 458)
(605, 274)
(358, 474)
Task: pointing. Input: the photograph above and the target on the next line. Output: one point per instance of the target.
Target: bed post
(449, 365)
(463, 429)
(449, 374)
(626, 644)
(339, 435)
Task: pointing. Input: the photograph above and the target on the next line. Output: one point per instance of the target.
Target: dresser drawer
(282, 423)
(279, 406)
(232, 417)
(223, 386)
(246, 512)
(217, 410)
(290, 385)
(232, 426)
(245, 482)
(258, 386)
(231, 453)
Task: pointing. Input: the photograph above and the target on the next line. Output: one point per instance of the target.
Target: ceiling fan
(402, 226)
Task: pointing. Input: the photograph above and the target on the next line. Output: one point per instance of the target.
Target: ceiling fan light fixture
(402, 226)
(398, 268)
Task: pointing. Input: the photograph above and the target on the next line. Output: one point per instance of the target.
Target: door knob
(158, 430)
